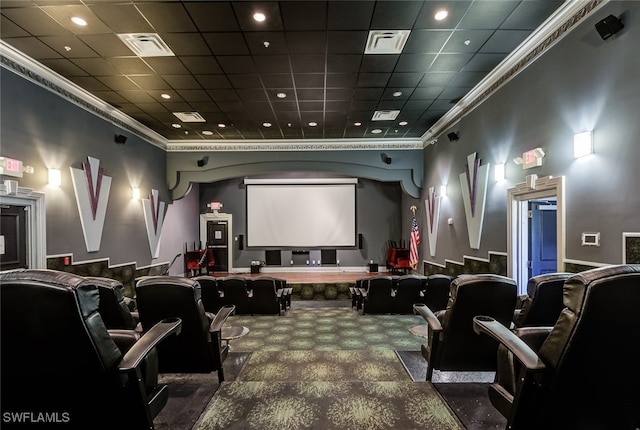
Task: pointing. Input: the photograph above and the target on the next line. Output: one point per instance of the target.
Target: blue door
(542, 238)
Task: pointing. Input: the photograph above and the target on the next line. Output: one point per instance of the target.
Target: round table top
(233, 332)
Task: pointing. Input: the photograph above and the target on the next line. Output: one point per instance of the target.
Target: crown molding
(293, 145)
(558, 25)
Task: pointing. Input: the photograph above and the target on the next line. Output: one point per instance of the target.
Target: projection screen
(301, 214)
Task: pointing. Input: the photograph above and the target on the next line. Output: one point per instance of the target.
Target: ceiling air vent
(386, 41)
(146, 44)
(189, 117)
(385, 115)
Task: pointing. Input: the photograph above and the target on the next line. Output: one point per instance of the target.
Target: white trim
(624, 239)
(218, 216)
(433, 263)
(267, 145)
(558, 25)
(300, 181)
(517, 197)
(36, 222)
(586, 263)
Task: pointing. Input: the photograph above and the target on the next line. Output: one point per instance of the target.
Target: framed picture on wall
(631, 248)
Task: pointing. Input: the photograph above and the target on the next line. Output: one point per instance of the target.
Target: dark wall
(377, 208)
(582, 83)
(45, 131)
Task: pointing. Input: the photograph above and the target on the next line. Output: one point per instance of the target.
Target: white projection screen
(301, 215)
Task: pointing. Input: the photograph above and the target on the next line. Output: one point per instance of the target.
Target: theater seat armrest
(522, 352)
(124, 339)
(148, 341)
(432, 321)
(221, 317)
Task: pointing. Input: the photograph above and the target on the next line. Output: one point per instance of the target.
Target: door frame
(517, 227)
(34, 203)
(216, 216)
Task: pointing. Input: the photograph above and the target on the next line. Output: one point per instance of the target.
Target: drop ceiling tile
(378, 63)
(121, 18)
(186, 43)
(272, 64)
(308, 15)
(286, 106)
(250, 80)
(309, 80)
(35, 21)
(308, 63)
(150, 82)
(34, 47)
(106, 45)
(343, 63)
(341, 80)
(192, 96)
(120, 83)
(450, 62)
(405, 79)
(467, 79)
(68, 46)
(226, 43)
(426, 41)
(183, 82)
(487, 14)
(415, 62)
(426, 93)
(237, 64)
(96, 66)
(166, 65)
(167, 16)
(339, 93)
(252, 95)
(278, 80)
(346, 42)
(201, 65)
(373, 79)
(338, 106)
(505, 41)
(213, 16)
(437, 79)
(529, 14)
(224, 95)
(65, 68)
(413, 107)
(368, 93)
(311, 106)
(395, 15)
(89, 83)
(306, 42)
(310, 94)
(349, 15)
(483, 62)
(130, 66)
(9, 29)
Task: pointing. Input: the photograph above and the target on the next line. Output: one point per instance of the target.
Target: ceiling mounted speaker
(609, 26)
(120, 139)
(203, 161)
(453, 136)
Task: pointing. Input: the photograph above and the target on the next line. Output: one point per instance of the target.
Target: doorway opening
(216, 234)
(23, 235)
(536, 229)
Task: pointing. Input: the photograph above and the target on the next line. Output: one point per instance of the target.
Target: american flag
(415, 241)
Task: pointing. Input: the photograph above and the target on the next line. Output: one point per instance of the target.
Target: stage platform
(310, 277)
(313, 285)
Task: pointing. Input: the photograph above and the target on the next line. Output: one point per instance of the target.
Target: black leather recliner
(377, 297)
(582, 373)
(59, 359)
(266, 297)
(199, 348)
(543, 303)
(113, 307)
(451, 342)
(211, 297)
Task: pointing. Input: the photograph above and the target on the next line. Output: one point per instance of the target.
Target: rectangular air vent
(386, 41)
(189, 117)
(146, 44)
(385, 115)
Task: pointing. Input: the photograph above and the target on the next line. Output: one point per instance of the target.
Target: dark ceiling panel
(230, 68)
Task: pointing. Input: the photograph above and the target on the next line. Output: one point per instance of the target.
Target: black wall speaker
(360, 241)
(241, 242)
(120, 139)
(453, 136)
(203, 161)
(385, 158)
(609, 26)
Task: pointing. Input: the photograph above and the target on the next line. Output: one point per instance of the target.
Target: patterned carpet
(326, 329)
(326, 368)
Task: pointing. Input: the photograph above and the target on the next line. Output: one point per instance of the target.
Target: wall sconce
(582, 144)
(498, 172)
(443, 191)
(55, 177)
(135, 193)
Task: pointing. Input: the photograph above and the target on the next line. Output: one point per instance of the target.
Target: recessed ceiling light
(259, 16)
(357, 124)
(281, 95)
(397, 93)
(440, 15)
(207, 132)
(403, 123)
(175, 125)
(78, 21)
(221, 125)
(376, 131)
(312, 124)
(266, 124)
(165, 96)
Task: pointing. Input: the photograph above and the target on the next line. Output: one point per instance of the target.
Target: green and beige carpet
(326, 368)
